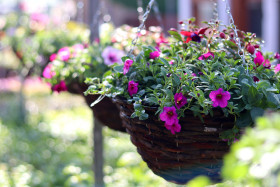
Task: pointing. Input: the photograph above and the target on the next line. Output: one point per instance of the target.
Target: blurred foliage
(54, 148)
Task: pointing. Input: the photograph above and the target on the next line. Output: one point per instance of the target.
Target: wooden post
(97, 126)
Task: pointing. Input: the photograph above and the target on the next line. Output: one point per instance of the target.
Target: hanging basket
(105, 111)
(196, 150)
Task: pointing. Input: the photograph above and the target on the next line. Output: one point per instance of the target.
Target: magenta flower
(48, 73)
(251, 49)
(132, 88)
(174, 127)
(53, 57)
(64, 54)
(154, 55)
(60, 87)
(206, 56)
(127, 65)
(171, 62)
(220, 98)
(277, 68)
(267, 64)
(180, 100)
(259, 59)
(277, 56)
(39, 18)
(256, 79)
(169, 115)
(112, 55)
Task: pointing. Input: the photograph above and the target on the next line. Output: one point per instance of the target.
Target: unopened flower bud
(251, 49)
(222, 35)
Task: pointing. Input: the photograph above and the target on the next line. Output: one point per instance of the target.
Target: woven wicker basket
(196, 150)
(105, 111)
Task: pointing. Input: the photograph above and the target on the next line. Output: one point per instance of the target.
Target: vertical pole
(223, 15)
(184, 9)
(270, 27)
(97, 126)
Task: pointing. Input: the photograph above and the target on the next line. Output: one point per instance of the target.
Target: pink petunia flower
(53, 57)
(180, 100)
(277, 56)
(171, 62)
(112, 55)
(64, 54)
(154, 55)
(77, 48)
(169, 115)
(277, 68)
(206, 56)
(127, 64)
(174, 127)
(267, 64)
(60, 87)
(259, 59)
(132, 88)
(220, 98)
(48, 73)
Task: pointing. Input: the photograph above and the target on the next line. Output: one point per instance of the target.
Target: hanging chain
(141, 26)
(236, 38)
(158, 15)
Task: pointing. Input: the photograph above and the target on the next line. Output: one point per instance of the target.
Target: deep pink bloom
(220, 98)
(132, 88)
(180, 100)
(267, 64)
(40, 18)
(64, 53)
(77, 48)
(171, 62)
(174, 127)
(259, 59)
(60, 87)
(169, 115)
(251, 49)
(154, 55)
(48, 73)
(206, 56)
(127, 64)
(112, 55)
(256, 79)
(277, 68)
(53, 57)
(277, 56)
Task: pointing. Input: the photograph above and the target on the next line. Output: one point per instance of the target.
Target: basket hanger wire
(141, 26)
(236, 37)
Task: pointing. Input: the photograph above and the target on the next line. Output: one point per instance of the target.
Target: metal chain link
(141, 26)
(236, 38)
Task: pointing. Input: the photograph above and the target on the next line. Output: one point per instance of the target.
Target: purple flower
(53, 57)
(259, 59)
(174, 127)
(220, 98)
(206, 56)
(200, 73)
(154, 55)
(180, 100)
(112, 55)
(169, 115)
(60, 87)
(277, 68)
(195, 37)
(64, 53)
(277, 56)
(132, 88)
(48, 73)
(127, 65)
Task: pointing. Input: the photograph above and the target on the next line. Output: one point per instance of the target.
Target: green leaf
(256, 112)
(253, 95)
(244, 120)
(118, 68)
(151, 100)
(176, 80)
(175, 35)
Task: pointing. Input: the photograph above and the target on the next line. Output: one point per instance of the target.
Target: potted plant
(185, 103)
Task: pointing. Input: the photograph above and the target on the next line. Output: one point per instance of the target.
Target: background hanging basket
(105, 111)
(196, 150)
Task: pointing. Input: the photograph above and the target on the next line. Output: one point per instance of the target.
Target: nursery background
(47, 134)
